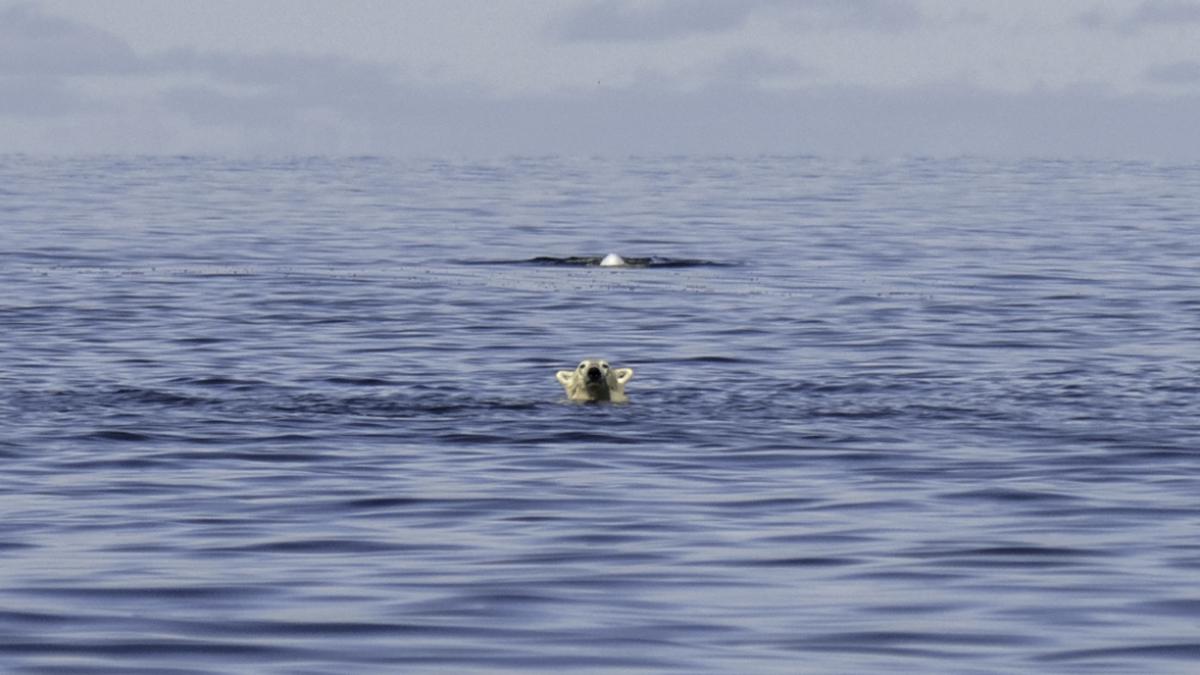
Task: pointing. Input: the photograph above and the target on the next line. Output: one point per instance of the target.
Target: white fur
(607, 385)
(612, 260)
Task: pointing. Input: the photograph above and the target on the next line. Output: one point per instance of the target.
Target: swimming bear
(594, 380)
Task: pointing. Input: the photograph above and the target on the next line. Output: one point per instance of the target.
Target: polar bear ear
(623, 375)
(564, 377)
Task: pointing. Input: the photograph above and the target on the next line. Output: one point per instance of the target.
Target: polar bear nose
(594, 374)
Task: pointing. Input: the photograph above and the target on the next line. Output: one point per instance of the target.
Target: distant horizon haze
(1115, 79)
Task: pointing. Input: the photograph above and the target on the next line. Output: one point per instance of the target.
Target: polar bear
(593, 380)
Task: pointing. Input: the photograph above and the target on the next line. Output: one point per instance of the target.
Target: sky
(845, 78)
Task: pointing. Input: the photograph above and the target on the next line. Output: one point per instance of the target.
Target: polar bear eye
(604, 365)
(582, 366)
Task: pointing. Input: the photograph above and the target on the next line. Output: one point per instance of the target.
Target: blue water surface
(300, 416)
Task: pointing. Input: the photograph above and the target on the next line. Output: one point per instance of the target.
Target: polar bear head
(594, 380)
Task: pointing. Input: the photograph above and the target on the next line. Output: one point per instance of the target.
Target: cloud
(1095, 19)
(945, 120)
(620, 21)
(1178, 73)
(208, 82)
(84, 87)
(116, 100)
(283, 103)
(1165, 12)
(876, 15)
(36, 97)
(755, 68)
(275, 118)
(628, 21)
(277, 104)
(34, 43)
(1148, 14)
(295, 70)
(41, 56)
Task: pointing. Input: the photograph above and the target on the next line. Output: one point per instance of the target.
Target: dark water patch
(332, 547)
(1008, 551)
(142, 549)
(1018, 551)
(924, 577)
(797, 562)
(116, 435)
(583, 436)
(819, 539)
(872, 640)
(382, 503)
(361, 381)
(6, 546)
(275, 456)
(151, 594)
(1010, 496)
(221, 381)
(1011, 557)
(604, 539)
(181, 648)
(769, 504)
(200, 340)
(1187, 563)
(1133, 656)
(297, 628)
(473, 439)
(1180, 606)
(542, 658)
(34, 618)
(701, 360)
(916, 609)
(574, 556)
(1161, 457)
(1128, 514)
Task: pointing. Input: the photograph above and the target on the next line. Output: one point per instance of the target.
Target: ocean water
(887, 416)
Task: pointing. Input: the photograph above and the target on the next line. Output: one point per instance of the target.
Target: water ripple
(301, 416)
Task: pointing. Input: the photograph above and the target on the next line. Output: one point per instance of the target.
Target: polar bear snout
(595, 380)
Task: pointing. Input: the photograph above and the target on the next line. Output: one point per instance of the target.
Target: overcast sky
(1094, 78)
